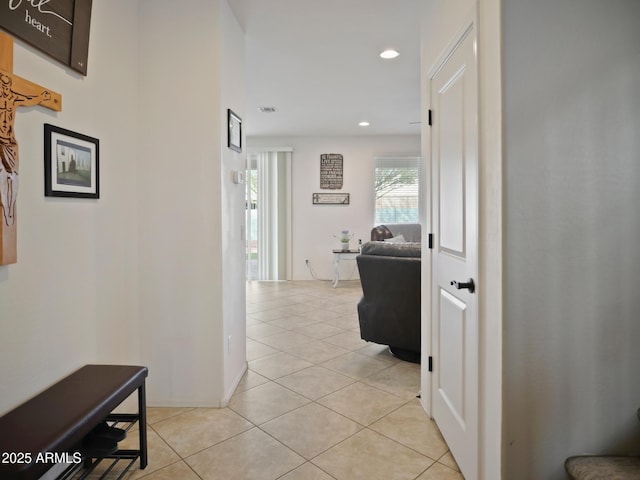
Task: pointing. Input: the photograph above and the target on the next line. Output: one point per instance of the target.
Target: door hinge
(431, 240)
(431, 364)
(430, 117)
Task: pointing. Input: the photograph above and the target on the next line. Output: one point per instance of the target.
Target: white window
(397, 189)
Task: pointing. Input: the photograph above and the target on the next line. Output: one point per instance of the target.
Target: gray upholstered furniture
(604, 467)
(389, 311)
(411, 232)
(589, 467)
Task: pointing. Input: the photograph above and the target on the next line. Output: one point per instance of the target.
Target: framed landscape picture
(71, 164)
(234, 133)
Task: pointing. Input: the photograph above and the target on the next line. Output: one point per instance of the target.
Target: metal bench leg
(142, 424)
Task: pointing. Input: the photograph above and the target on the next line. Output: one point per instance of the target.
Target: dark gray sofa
(389, 311)
(410, 232)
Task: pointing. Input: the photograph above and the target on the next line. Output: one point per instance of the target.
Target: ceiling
(317, 62)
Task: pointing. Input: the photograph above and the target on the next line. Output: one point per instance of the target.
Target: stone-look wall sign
(330, 198)
(60, 28)
(15, 92)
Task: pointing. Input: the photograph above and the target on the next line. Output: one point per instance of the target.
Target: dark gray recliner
(389, 311)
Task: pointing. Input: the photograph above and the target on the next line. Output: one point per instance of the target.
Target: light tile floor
(317, 403)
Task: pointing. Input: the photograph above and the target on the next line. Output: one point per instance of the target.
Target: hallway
(317, 403)
(358, 416)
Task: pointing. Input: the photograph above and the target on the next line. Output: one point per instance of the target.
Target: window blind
(397, 189)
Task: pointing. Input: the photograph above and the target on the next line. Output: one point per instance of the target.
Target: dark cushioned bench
(57, 419)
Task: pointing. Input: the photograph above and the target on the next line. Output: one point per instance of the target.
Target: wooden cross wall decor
(15, 92)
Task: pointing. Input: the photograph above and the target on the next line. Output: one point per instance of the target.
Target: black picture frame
(234, 132)
(71, 163)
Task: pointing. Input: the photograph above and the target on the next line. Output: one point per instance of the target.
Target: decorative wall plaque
(331, 171)
(60, 28)
(330, 199)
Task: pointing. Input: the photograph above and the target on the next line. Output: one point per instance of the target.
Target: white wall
(139, 275)
(71, 298)
(572, 162)
(232, 207)
(314, 226)
(190, 214)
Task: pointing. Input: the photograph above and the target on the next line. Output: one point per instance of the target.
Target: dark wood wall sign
(60, 28)
(331, 171)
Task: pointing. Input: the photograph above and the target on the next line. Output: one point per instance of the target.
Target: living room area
(314, 229)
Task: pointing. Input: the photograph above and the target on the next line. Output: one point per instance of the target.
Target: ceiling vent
(267, 109)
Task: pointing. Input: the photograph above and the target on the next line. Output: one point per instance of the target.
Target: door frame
(487, 17)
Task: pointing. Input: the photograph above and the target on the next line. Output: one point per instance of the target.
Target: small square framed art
(71, 164)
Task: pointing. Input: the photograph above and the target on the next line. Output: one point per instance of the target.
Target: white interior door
(454, 88)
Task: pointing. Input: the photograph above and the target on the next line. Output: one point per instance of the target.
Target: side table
(341, 255)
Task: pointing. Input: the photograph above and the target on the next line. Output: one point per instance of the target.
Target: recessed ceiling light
(267, 109)
(389, 54)
(364, 124)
